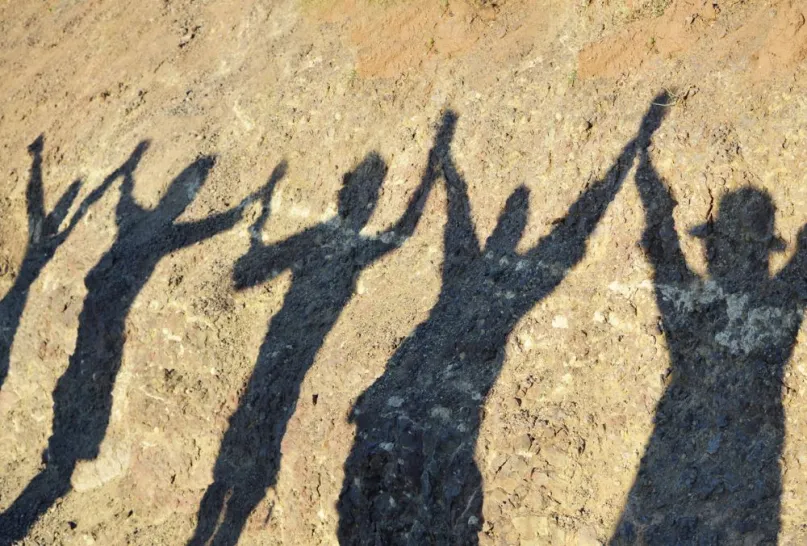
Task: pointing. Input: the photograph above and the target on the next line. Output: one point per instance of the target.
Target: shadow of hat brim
(702, 231)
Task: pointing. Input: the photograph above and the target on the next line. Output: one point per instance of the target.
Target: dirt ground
(137, 339)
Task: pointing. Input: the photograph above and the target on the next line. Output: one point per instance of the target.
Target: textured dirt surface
(529, 391)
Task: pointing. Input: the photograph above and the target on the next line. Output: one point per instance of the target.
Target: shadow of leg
(239, 506)
(39, 495)
(209, 510)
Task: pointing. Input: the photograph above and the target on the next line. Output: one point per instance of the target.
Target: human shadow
(44, 238)
(82, 399)
(710, 473)
(411, 477)
(325, 262)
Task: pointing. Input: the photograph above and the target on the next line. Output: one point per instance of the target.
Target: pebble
(529, 527)
(395, 401)
(560, 322)
(587, 536)
(523, 443)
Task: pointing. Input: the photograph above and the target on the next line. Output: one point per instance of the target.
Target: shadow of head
(183, 189)
(512, 221)
(360, 190)
(37, 145)
(740, 240)
(445, 132)
(137, 154)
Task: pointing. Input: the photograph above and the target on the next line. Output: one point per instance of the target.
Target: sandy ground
(136, 340)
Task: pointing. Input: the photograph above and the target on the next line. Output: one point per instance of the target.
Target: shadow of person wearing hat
(710, 473)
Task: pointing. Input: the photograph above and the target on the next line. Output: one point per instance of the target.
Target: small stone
(496, 497)
(555, 456)
(111, 465)
(587, 536)
(508, 482)
(540, 478)
(714, 444)
(535, 500)
(560, 322)
(523, 443)
(529, 527)
(395, 401)
(441, 413)
(516, 466)
(8, 400)
(525, 342)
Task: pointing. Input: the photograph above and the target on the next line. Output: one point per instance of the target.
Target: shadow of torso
(324, 269)
(112, 286)
(711, 469)
(417, 425)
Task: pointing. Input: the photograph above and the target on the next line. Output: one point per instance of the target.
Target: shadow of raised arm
(126, 171)
(265, 195)
(459, 239)
(263, 262)
(660, 239)
(59, 212)
(565, 245)
(127, 209)
(406, 224)
(188, 233)
(442, 142)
